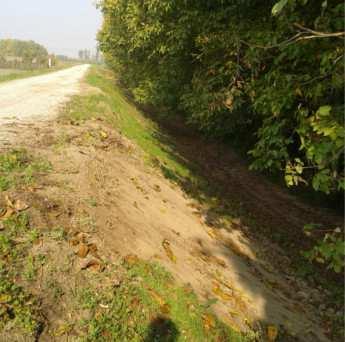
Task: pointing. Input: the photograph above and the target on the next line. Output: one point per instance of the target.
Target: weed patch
(16, 305)
(17, 168)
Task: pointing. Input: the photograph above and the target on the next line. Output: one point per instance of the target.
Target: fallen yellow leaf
(168, 251)
(104, 135)
(209, 322)
(131, 259)
(212, 234)
(20, 205)
(157, 297)
(220, 293)
(9, 212)
(94, 265)
(272, 333)
(83, 251)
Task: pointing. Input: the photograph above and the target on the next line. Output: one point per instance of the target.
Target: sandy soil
(37, 98)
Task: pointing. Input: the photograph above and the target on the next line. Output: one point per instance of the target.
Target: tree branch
(306, 34)
(318, 34)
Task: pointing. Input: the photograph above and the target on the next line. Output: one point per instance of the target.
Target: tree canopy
(18, 53)
(266, 73)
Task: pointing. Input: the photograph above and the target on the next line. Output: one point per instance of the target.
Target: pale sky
(62, 26)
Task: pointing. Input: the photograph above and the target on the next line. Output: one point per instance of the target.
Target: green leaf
(299, 169)
(311, 226)
(324, 110)
(289, 180)
(337, 268)
(277, 8)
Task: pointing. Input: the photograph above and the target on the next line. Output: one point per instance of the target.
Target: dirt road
(37, 98)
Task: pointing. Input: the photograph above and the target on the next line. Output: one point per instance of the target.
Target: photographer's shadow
(162, 329)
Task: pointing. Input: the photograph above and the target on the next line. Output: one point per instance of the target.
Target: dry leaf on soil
(94, 265)
(220, 293)
(74, 242)
(168, 251)
(157, 188)
(212, 234)
(131, 259)
(165, 307)
(82, 237)
(8, 202)
(272, 333)
(20, 205)
(209, 322)
(83, 251)
(93, 249)
(12, 208)
(103, 135)
(8, 213)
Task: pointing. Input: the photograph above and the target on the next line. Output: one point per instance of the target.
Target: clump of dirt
(111, 204)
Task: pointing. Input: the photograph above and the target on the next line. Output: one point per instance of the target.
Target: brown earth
(101, 186)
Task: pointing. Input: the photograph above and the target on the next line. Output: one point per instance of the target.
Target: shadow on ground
(221, 175)
(162, 329)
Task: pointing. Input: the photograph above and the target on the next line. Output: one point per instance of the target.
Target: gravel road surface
(39, 98)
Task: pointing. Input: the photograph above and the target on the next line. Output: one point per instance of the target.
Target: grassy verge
(19, 309)
(145, 304)
(10, 75)
(118, 111)
(17, 169)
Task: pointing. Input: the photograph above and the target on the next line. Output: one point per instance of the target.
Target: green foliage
(266, 73)
(278, 7)
(330, 250)
(235, 70)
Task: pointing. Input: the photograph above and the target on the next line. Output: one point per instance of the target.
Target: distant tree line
(88, 56)
(22, 54)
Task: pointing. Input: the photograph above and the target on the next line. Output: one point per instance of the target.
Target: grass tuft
(16, 305)
(17, 168)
